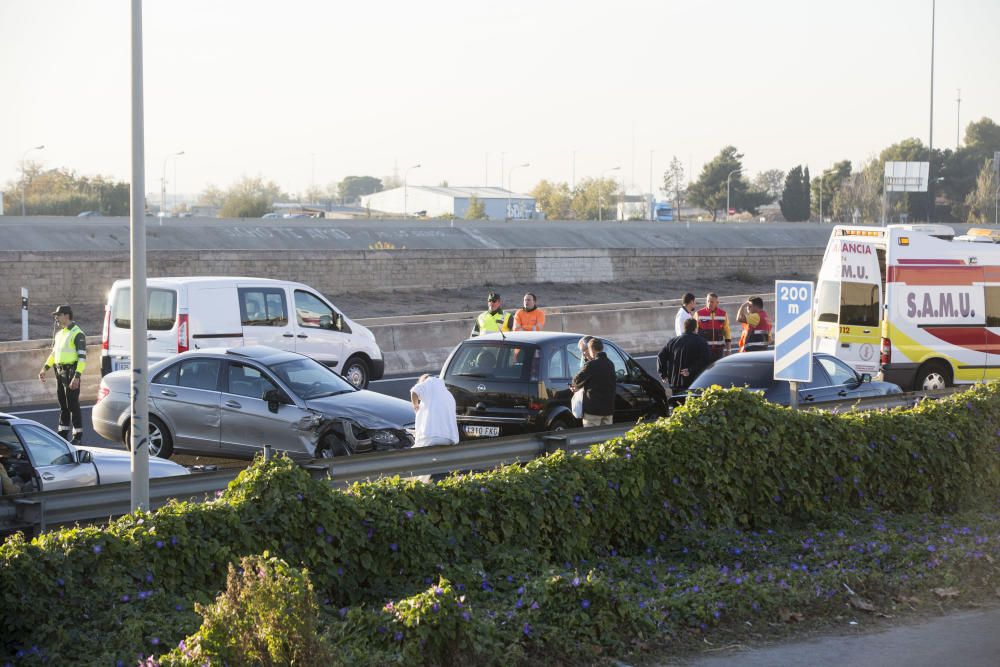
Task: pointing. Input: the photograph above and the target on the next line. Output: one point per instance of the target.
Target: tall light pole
(822, 177)
(572, 184)
(24, 181)
(509, 173)
(727, 189)
(406, 175)
(651, 185)
(958, 120)
(163, 183)
(930, 147)
(600, 209)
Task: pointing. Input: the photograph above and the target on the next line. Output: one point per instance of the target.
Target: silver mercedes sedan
(232, 402)
(34, 458)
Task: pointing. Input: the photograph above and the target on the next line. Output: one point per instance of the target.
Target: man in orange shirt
(531, 317)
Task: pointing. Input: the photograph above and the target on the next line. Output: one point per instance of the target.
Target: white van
(191, 313)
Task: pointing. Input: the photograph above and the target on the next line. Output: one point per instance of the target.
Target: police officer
(494, 318)
(69, 358)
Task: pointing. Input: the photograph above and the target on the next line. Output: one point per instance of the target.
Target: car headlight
(383, 437)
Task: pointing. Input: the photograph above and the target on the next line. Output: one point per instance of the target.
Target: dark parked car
(234, 401)
(832, 380)
(519, 383)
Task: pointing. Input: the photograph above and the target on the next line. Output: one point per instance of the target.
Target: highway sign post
(793, 334)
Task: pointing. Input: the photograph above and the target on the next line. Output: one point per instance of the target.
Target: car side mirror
(83, 456)
(274, 399)
(340, 322)
(866, 377)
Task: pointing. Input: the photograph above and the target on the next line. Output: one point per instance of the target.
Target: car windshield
(311, 379)
(737, 374)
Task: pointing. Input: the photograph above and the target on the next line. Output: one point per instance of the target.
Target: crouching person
(435, 408)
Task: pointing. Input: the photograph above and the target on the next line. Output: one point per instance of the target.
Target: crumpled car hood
(368, 408)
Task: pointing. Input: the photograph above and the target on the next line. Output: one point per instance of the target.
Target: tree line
(964, 184)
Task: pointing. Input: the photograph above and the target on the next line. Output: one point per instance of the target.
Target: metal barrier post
(24, 313)
(268, 453)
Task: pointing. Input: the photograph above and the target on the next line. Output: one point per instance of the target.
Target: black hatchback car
(519, 383)
(832, 379)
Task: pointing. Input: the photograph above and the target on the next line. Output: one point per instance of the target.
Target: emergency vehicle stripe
(912, 260)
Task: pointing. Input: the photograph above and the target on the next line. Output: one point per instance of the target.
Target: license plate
(121, 364)
(483, 431)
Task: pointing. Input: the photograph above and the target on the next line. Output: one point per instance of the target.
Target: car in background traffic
(832, 379)
(232, 402)
(519, 383)
(37, 459)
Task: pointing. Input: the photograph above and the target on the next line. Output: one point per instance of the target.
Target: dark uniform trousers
(69, 402)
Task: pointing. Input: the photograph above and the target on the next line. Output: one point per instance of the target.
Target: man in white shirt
(435, 407)
(685, 312)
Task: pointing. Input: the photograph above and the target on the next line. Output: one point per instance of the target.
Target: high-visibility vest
(713, 326)
(488, 322)
(69, 347)
(756, 337)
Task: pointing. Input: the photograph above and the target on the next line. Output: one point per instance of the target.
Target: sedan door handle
(842, 392)
(288, 335)
(167, 392)
(303, 336)
(48, 477)
(150, 337)
(233, 404)
(808, 397)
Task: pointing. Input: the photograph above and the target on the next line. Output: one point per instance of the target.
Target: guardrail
(48, 509)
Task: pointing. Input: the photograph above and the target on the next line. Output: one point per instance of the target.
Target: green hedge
(728, 459)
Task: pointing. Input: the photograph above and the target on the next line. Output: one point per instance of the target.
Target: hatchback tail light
(183, 342)
(106, 329)
(886, 352)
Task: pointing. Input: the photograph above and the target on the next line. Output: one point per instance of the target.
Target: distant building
(434, 201)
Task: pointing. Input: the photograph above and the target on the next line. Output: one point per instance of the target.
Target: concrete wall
(86, 276)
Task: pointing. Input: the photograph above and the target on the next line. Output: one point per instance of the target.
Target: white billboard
(906, 176)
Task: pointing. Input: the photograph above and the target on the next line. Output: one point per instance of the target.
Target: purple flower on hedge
(465, 616)
(438, 591)
(585, 603)
(60, 582)
(319, 530)
(125, 598)
(575, 582)
(173, 541)
(398, 636)
(97, 548)
(408, 514)
(526, 629)
(159, 544)
(393, 547)
(342, 611)
(155, 641)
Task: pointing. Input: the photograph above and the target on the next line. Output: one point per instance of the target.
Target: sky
(306, 92)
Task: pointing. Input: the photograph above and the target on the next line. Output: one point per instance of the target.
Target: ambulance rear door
(849, 303)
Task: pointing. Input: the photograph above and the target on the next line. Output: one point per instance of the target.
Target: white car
(37, 459)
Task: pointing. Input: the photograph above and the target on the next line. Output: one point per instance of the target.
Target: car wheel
(356, 372)
(161, 444)
(932, 375)
(332, 445)
(563, 423)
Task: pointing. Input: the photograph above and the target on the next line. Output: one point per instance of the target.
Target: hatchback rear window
(496, 361)
(161, 309)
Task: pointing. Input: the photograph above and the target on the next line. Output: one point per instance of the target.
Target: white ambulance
(914, 301)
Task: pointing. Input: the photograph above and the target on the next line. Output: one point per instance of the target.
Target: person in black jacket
(683, 358)
(597, 379)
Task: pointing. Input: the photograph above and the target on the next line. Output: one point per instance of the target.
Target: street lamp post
(650, 185)
(406, 175)
(163, 185)
(509, 173)
(822, 178)
(727, 189)
(24, 182)
(600, 209)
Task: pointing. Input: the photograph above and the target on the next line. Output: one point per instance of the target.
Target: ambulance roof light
(939, 231)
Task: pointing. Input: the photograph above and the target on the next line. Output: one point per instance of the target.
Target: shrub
(266, 616)
(726, 460)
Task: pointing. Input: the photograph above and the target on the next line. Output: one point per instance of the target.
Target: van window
(161, 309)
(312, 312)
(263, 307)
(859, 304)
(828, 301)
(992, 306)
